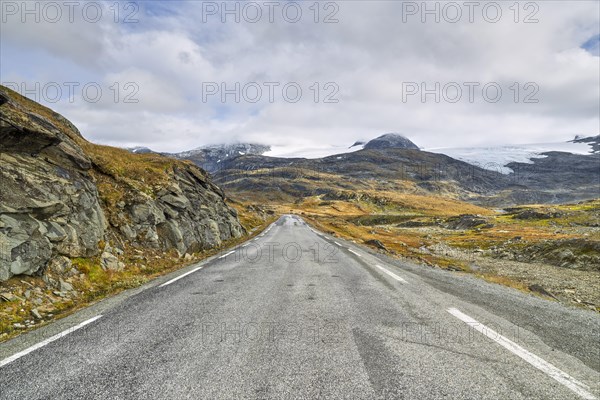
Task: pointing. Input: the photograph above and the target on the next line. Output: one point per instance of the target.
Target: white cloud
(369, 54)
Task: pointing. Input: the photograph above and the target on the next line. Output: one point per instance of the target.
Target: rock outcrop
(63, 197)
(188, 214)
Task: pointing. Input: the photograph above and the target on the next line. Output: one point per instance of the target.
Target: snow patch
(310, 152)
(497, 157)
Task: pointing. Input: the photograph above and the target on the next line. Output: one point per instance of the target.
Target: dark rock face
(48, 203)
(188, 215)
(51, 207)
(391, 141)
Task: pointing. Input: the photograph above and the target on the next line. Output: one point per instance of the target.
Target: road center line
(531, 358)
(396, 277)
(338, 244)
(47, 341)
(180, 276)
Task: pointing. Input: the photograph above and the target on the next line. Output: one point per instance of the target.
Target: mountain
(491, 176)
(391, 141)
(140, 150)
(210, 158)
(65, 198)
(393, 162)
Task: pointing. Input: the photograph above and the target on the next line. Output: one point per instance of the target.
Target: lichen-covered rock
(58, 192)
(60, 265)
(189, 215)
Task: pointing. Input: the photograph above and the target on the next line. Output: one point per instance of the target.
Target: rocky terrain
(67, 202)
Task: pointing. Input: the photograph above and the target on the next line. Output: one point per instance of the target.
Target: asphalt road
(297, 314)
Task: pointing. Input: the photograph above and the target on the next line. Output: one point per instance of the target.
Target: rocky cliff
(61, 196)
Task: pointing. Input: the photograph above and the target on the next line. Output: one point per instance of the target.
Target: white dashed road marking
(47, 341)
(180, 276)
(227, 254)
(353, 252)
(396, 277)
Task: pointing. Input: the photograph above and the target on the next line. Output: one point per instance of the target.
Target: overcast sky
(367, 61)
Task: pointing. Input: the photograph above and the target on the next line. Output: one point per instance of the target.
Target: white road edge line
(537, 362)
(227, 254)
(337, 244)
(180, 276)
(396, 277)
(353, 252)
(47, 341)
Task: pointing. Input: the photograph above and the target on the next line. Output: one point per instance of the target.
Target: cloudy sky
(177, 75)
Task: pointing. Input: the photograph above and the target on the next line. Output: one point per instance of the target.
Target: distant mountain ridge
(502, 175)
(210, 157)
(499, 156)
